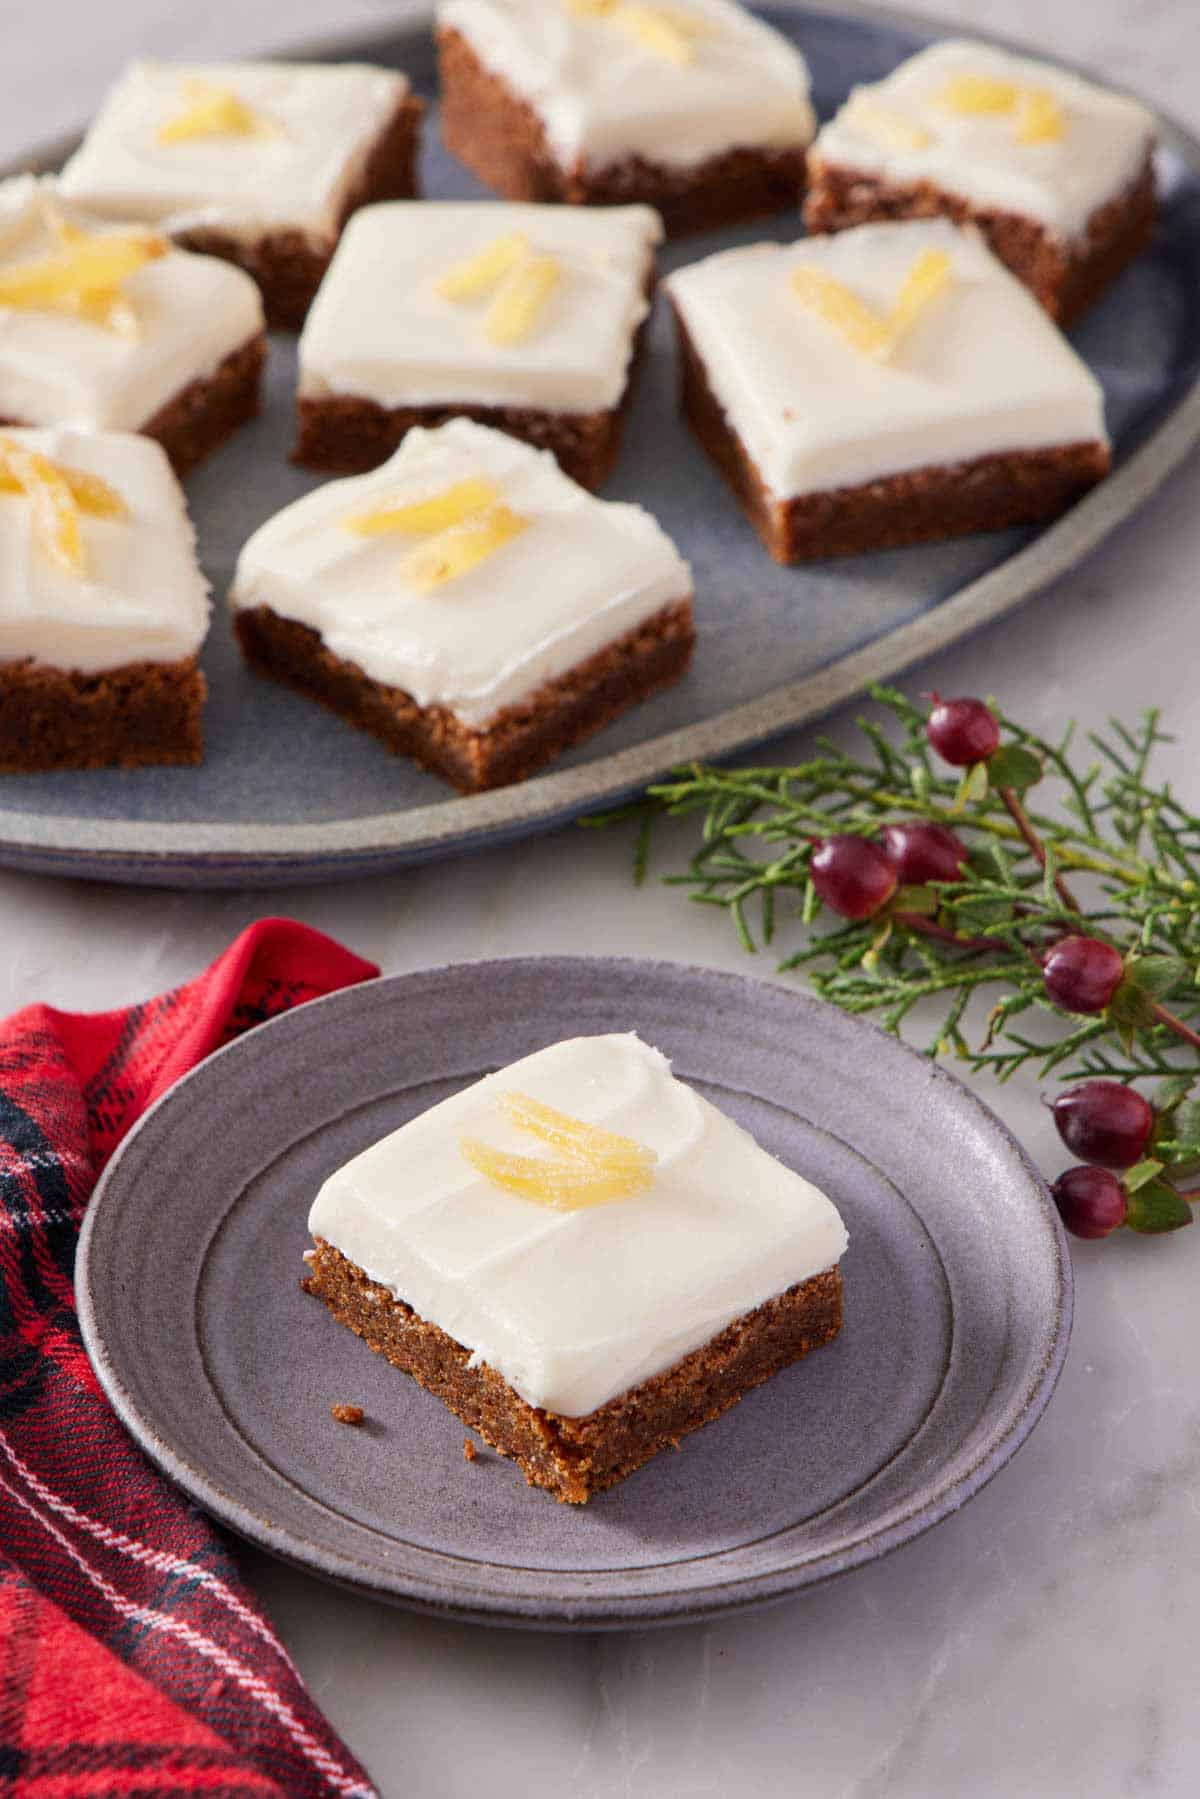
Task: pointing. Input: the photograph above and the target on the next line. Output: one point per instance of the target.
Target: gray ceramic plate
(288, 792)
(958, 1302)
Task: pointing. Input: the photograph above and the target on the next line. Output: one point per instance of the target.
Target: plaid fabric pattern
(133, 1660)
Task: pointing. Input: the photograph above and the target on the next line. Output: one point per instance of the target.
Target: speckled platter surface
(288, 792)
(957, 1280)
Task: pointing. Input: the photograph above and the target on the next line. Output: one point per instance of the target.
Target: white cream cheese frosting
(899, 130)
(573, 1308)
(603, 95)
(982, 371)
(191, 313)
(380, 329)
(319, 126)
(582, 573)
(140, 596)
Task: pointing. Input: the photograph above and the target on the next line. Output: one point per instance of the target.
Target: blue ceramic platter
(957, 1282)
(288, 792)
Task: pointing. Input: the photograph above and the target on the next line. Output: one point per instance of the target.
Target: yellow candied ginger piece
(590, 1166)
(1036, 114)
(1039, 118)
(478, 275)
(84, 274)
(422, 517)
(462, 547)
(870, 332)
(863, 328)
(923, 283)
(212, 111)
(513, 315)
(887, 126)
(979, 94)
(657, 32)
(667, 31)
(57, 495)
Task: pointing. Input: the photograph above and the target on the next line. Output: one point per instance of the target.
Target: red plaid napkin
(132, 1657)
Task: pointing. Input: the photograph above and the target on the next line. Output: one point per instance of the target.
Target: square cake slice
(260, 163)
(1056, 172)
(467, 604)
(889, 385)
(698, 108)
(106, 327)
(103, 607)
(522, 317)
(581, 1257)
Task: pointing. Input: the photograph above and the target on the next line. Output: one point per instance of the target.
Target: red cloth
(133, 1659)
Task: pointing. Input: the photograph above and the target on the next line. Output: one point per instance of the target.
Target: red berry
(963, 731)
(1091, 1202)
(1082, 973)
(924, 852)
(852, 875)
(1105, 1122)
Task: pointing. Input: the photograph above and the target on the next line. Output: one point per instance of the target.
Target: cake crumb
(470, 1453)
(347, 1414)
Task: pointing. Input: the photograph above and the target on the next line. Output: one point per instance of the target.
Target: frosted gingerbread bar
(103, 607)
(526, 318)
(1056, 172)
(581, 1258)
(695, 107)
(108, 327)
(260, 163)
(888, 385)
(467, 604)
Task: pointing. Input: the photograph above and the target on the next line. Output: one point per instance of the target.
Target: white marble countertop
(1044, 1641)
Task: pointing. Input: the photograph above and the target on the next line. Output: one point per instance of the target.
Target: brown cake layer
(128, 717)
(206, 412)
(923, 505)
(501, 140)
(287, 265)
(342, 434)
(573, 1458)
(522, 739)
(1066, 277)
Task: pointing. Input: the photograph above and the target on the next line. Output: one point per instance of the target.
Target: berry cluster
(1107, 1124)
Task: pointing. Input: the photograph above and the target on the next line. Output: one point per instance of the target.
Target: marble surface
(1042, 1642)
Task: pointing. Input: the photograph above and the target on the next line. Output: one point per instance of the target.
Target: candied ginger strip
(837, 305)
(422, 517)
(479, 274)
(656, 32)
(1039, 117)
(979, 94)
(514, 314)
(924, 281)
(87, 268)
(582, 1142)
(214, 112)
(562, 1184)
(462, 547)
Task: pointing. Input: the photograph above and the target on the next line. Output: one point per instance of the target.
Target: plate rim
(226, 854)
(597, 1611)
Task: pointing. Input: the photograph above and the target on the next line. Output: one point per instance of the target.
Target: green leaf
(1185, 1128)
(1015, 766)
(1130, 1009)
(972, 788)
(1155, 975)
(918, 775)
(921, 900)
(1168, 1094)
(1141, 1174)
(1156, 1208)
